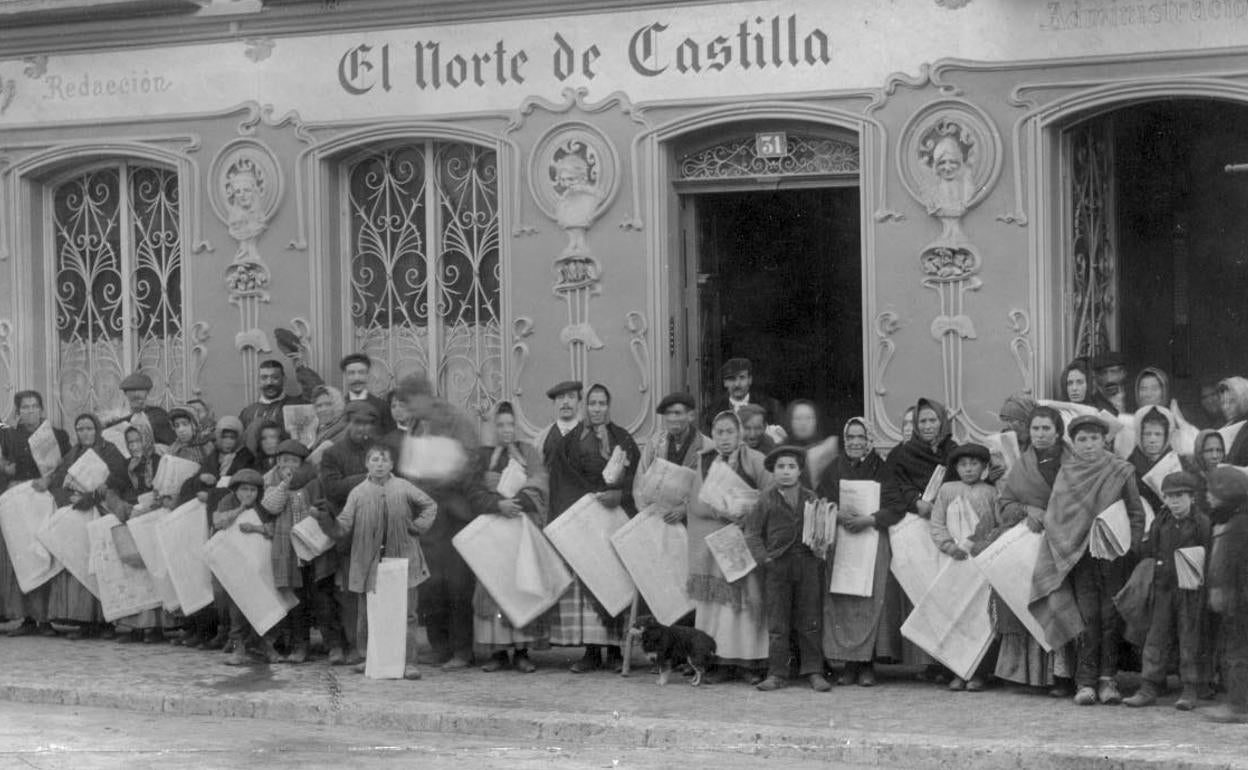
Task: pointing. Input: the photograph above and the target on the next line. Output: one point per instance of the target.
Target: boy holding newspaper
(1178, 542)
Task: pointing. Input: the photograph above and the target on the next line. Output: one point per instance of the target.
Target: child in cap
(1175, 614)
(245, 488)
(959, 506)
(793, 574)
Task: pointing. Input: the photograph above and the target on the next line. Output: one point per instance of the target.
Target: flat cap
(292, 447)
(1180, 481)
(247, 476)
(136, 381)
(785, 451)
(354, 358)
(361, 411)
(734, 366)
(676, 399)
(1088, 421)
(1107, 359)
(567, 386)
(976, 451)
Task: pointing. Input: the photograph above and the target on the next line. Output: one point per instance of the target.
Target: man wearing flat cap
(738, 379)
(677, 440)
(567, 400)
(1110, 371)
(356, 370)
(137, 387)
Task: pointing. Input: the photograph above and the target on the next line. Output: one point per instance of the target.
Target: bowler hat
(566, 386)
(733, 367)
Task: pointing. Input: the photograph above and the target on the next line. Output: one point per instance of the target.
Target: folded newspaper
(1189, 567)
(1110, 537)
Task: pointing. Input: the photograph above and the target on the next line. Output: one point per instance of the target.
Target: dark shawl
(910, 466)
(577, 466)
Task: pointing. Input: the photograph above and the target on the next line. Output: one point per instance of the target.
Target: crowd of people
(1100, 444)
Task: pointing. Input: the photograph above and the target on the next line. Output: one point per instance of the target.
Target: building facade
(873, 201)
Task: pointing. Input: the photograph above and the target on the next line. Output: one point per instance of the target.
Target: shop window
(424, 272)
(117, 286)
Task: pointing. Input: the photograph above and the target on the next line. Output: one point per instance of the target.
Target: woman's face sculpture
(571, 170)
(947, 159)
(245, 190)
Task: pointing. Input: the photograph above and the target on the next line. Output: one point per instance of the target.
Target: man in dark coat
(1112, 393)
(738, 380)
(356, 370)
(567, 400)
(273, 399)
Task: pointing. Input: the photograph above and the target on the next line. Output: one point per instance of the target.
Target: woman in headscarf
(331, 420)
(141, 468)
(580, 460)
(1154, 429)
(69, 601)
(1233, 391)
(1015, 413)
(1025, 493)
(1152, 388)
(909, 469)
(856, 629)
(732, 613)
(1076, 382)
(493, 635)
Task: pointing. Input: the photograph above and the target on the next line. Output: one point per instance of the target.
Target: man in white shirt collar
(738, 378)
(567, 400)
(357, 370)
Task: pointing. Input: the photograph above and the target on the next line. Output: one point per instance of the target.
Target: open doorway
(1180, 222)
(778, 280)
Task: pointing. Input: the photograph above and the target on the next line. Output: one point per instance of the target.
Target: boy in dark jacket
(793, 574)
(1175, 614)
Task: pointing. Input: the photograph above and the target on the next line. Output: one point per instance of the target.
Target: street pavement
(900, 723)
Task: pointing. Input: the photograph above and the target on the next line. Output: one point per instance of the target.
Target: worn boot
(497, 662)
(1086, 696)
(336, 656)
(1187, 699)
(297, 655)
(1145, 696)
(1108, 693)
(771, 683)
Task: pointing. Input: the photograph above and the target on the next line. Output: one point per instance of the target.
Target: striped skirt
(577, 623)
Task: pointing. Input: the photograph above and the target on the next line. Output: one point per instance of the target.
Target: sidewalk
(900, 723)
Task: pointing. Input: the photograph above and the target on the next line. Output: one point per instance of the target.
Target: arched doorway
(771, 262)
(1155, 239)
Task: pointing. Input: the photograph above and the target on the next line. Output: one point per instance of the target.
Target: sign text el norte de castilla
(758, 43)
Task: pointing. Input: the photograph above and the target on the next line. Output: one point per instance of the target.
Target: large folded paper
(386, 652)
(124, 590)
(860, 497)
(582, 535)
(1003, 448)
(512, 479)
(432, 458)
(1169, 463)
(1229, 432)
(819, 526)
(933, 483)
(301, 422)
(952, 622)
(309, 540)
(1008, 564)
(23, 513)
(723, 489)
(731, 553)
(88, 473)
(143, 529)
(65, 536)
(44, 449)
(615, 467)
(116, 435)
(171, 473)
(1110, 536)
(181, 536)
(516, 565)
(853, 562)
(1189, 567)
(656, 555)
(242, 563)
(666, 484)
(916, 561)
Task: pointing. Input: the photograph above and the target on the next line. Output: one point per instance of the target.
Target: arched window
(117, 285)
(423, 273)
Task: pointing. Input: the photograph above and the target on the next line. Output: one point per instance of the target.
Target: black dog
(674, 645)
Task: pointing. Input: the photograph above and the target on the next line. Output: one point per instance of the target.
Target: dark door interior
(779, 282)
(1183, 240)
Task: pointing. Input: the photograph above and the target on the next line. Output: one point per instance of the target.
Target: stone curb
(917, 751)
